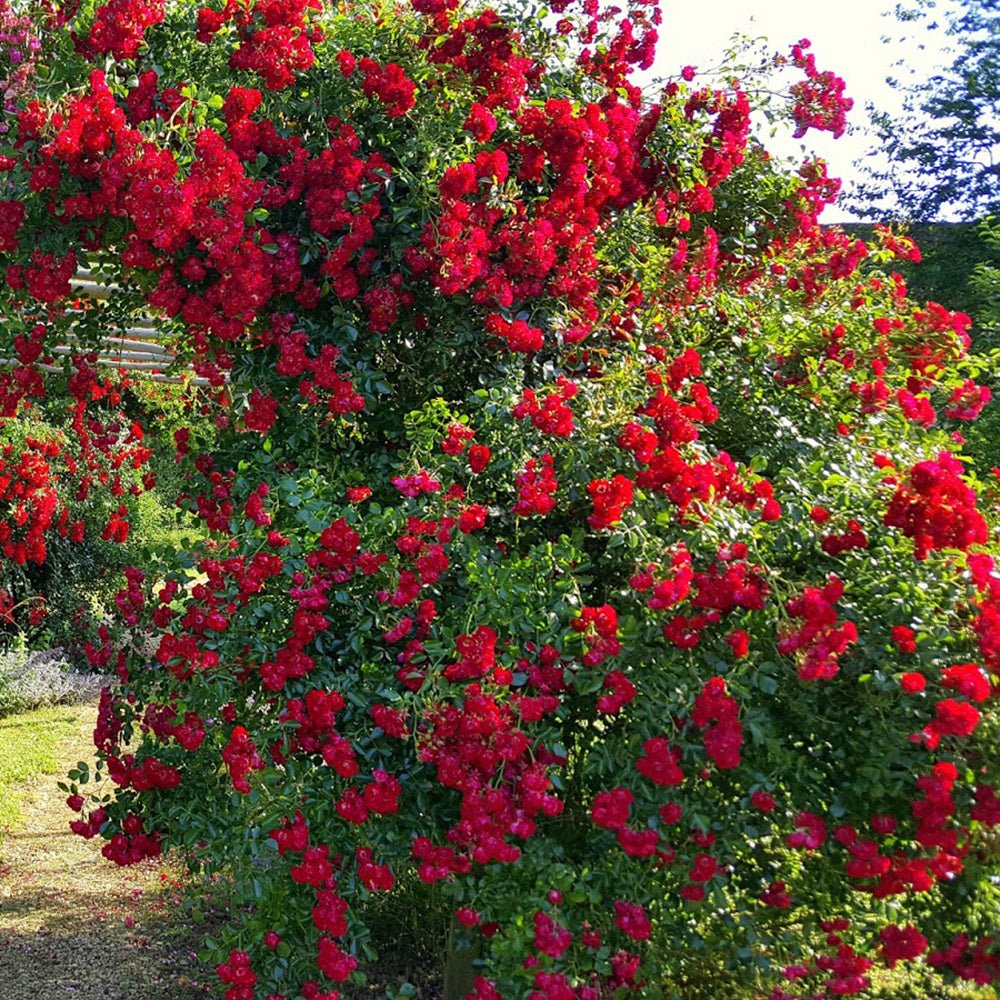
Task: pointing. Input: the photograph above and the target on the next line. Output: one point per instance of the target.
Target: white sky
(846, 37)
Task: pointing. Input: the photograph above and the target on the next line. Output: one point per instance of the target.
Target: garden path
(73, 925)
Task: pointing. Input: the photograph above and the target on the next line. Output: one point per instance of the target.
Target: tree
(939, 158)
(568, 499)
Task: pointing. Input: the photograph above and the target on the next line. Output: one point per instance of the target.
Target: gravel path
(74, 925)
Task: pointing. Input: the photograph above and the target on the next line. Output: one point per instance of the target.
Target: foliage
(580, 533)
(937, 158)
(984, 283)
(73, 461)
(950, 253)
(59, 584)
(957, 266)
(985, 279)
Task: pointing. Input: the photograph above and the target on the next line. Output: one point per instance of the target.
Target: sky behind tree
(847, 37)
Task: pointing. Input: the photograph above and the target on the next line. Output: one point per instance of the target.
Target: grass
(29, 746)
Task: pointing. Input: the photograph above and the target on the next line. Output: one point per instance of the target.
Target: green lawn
(29, 746)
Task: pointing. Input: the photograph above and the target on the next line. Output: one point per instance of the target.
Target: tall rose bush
(583, 530)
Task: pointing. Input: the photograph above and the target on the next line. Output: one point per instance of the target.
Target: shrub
(581, 533)
(71, 519)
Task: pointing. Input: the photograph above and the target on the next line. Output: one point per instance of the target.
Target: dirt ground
(74, 925)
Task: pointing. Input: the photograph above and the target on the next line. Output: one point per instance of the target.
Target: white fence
(136, 348)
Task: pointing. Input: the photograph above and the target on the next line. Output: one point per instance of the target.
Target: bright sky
(846, 37)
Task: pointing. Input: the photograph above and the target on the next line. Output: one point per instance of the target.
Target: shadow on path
(72, 924)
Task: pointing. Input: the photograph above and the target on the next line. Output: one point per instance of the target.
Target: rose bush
(583, 528)
(76, 508)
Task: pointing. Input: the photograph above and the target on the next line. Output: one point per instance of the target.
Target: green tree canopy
(940, 156)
